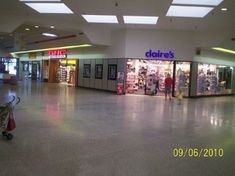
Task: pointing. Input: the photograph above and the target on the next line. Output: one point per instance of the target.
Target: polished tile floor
(65, 131)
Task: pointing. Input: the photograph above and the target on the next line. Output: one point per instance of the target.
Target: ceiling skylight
(49, 34)
(100, 18)
(140, 19)
(188, 11)
(50, 8)
(198, 2)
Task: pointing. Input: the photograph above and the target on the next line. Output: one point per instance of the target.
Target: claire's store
(146, 76)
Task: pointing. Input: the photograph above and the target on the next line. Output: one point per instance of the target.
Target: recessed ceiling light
(140, 19)
(50, 8)
(36, 26)
(100, 18)
(188, 11)
(49, 34)
(27, 29)
(224, 9)
(52, 27)
(198, 2)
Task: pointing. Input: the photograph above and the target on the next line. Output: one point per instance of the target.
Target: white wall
(210, 38)
(118, 44)
(215, 57)
(140, 41)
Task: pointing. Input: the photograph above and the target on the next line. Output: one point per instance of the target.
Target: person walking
(168, 86)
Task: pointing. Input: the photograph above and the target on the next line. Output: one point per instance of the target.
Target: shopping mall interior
(83, 85)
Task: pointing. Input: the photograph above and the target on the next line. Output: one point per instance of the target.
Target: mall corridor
(66, 131)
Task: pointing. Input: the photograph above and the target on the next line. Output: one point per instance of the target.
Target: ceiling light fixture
(224, 9)
(140, 19)
(188, 11)
(52, 27)
(224, 50)
(27, 29)
(60, 8)
(100, 18)
(49, 34)
(56, 48)
(198, 2)
(36, 26)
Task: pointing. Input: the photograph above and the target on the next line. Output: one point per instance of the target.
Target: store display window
(147, 76)
(67, 72)
(214, 79)
(182, 77)
(9, 65)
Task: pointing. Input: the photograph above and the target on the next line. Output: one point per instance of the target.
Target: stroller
(7, 122)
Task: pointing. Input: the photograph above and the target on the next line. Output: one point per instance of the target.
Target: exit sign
(57, 54)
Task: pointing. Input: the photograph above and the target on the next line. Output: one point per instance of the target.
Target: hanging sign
(57, 54)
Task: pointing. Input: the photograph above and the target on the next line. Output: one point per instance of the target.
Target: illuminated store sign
(57, 54)
(160, 54)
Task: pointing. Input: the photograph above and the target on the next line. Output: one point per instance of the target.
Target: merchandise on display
(66, 73)
(147, 76)
(213, 79)
(182, 77)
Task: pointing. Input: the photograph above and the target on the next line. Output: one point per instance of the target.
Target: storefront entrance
(147, 76)
(31, 70)
(67, 72)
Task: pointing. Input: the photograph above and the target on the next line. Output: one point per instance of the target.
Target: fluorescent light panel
(100, 18)
(140, 19)
(198, 2)
(50, 8)
(224, 50)
(188, 11)
(49, 34)
(56, 48)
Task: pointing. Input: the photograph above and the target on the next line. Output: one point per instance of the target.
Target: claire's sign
(57, 54)
(160, 54)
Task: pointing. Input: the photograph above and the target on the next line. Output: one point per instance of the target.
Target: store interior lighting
(140, 19)
(60, 8)
(100, 18)
(198, 2)
(224, 50)
(56, 48)
(188, 11)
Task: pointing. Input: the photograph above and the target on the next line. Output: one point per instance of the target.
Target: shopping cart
(7, 122)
